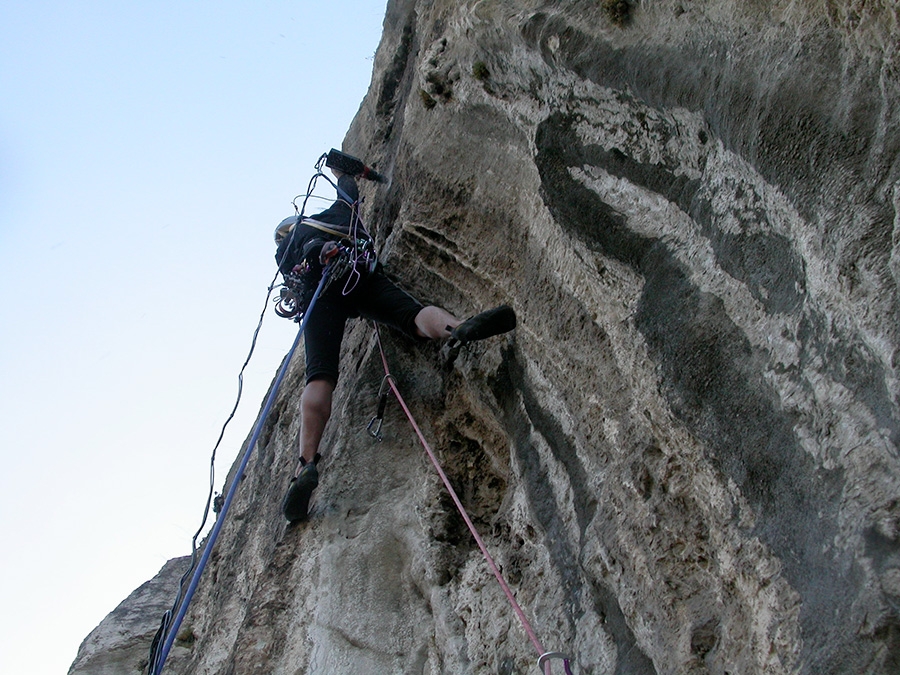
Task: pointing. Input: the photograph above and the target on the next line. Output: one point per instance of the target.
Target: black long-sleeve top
(305, 241)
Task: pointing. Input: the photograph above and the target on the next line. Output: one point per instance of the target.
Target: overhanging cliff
(685, 458)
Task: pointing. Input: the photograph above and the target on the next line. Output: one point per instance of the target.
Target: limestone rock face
(685, 458)
(120, 645)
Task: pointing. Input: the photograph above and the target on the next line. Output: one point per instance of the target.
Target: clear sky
(147, 152)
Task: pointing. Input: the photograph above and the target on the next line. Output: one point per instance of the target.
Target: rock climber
(305, 247)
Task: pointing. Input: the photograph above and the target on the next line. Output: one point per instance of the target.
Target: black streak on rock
(712, 378)
(511, 380)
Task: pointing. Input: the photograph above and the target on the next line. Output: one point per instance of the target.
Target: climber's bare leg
(435, 323)
(315, 409)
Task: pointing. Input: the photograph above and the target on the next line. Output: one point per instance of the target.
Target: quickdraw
(375, 424)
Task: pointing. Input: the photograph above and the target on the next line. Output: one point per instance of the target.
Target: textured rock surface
(686, 456)
(120, 645)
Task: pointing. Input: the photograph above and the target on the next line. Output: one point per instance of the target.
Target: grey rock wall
(685, 458)
(120, 645)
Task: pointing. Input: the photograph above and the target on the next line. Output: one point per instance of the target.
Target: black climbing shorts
(376, 298)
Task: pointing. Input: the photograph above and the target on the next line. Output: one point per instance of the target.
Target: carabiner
(376, 432)
(554, 655)
(378, 420)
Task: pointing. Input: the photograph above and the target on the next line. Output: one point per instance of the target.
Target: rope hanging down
(166, 621)
(165, 636)
(544, 656)
(158, 658)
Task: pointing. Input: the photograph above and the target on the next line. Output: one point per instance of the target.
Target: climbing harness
(545, 657)
(168, 631)
(357, 255)
(350, 263)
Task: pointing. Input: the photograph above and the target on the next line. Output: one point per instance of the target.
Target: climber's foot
(295, 506)
(493, 322)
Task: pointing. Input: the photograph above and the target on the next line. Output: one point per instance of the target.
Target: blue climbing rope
(172, 632)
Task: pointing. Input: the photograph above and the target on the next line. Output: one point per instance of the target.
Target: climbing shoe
(295, 506)
(493, 322)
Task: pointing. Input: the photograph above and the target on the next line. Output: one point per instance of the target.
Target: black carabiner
(378, 420)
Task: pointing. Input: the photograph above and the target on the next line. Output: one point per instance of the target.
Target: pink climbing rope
(543, 661)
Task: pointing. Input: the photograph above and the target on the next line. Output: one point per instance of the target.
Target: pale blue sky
(147, 151)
